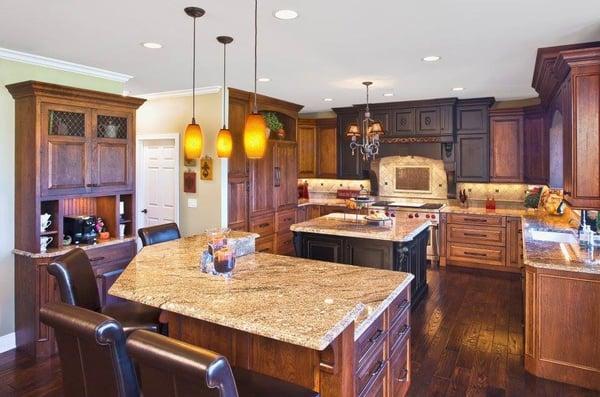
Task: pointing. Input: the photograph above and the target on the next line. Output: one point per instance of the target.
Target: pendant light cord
(224, 82)
(194, 76)
(255, 50)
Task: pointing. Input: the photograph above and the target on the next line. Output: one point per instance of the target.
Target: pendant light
(193, 139)
(255, 137)
(224, 140)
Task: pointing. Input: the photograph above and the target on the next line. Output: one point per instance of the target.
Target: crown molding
(213, 89)
(57, 64)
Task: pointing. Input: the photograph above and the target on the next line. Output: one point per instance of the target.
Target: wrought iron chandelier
(369, 133)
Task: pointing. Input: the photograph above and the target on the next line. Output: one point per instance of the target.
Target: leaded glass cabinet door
(65, 150)
(113, 150)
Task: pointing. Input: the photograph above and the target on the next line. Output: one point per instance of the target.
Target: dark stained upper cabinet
(535, 147)
(472, 115)
(404, 122)
(472, 158)
(349, 165)
(428, 121)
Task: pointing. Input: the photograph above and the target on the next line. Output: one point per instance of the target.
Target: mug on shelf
(45, 242)
(45, 222)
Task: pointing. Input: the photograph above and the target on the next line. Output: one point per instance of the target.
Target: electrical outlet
(192, 203)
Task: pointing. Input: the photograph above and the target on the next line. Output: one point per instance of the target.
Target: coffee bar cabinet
(74, 155)
(263, 193)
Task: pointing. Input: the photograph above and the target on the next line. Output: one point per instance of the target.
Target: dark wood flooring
(467, 340)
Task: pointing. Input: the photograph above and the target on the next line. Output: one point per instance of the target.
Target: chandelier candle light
(255, 130)
(224, 139)
(370, 132)
(193, 139)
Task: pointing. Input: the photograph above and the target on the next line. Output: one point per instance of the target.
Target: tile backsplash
(499, 191)
(330, 186)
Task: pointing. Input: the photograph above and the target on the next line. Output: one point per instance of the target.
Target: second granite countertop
(347, 225)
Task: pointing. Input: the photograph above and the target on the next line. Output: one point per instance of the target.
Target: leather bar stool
(77, 285)
(170, 368)
(159, 234)
(92, 352)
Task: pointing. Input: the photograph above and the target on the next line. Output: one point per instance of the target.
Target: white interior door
(159, 182)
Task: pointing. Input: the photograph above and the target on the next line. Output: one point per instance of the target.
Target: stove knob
(410, 216)
(427, 216)
(416, 215)
(432, 216)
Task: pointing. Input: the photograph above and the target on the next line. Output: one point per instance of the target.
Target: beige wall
(172, 114)
(13, 72)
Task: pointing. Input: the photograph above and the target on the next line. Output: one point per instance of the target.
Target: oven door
(433, 252)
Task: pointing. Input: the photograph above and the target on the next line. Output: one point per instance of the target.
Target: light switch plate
(192, 203)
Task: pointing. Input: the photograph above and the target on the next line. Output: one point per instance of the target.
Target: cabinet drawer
(477, 254)
(477, 220)
(399, 331)
(400, 369)
(284, 243)
(378, 387)
(369, 341)
(284, 220)
(264, 225)
(265, 244)
(103, 257)
(398, 307)
(372, 370)
(476, 234)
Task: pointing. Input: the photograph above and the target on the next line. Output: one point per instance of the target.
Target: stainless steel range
(409, 210)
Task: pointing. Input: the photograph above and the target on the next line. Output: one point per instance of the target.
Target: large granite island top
(556, 255)
(347, 225)
(298, 301)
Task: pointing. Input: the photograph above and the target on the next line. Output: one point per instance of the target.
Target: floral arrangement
(272, 121)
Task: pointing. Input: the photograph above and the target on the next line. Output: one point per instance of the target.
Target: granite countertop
(299, 301)
(556, 255)
(346, 225)
(517, 212)
(58, 252)
(334, 202)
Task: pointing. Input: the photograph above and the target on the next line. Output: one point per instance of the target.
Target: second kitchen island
(347, 239)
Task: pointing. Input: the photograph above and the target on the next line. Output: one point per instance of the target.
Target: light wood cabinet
(317, 148)
(514, 243)
(307, 148)
(506, 145)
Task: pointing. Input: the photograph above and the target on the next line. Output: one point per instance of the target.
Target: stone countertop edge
(275, 334)
(555, 260)
(514, 212)
(299, 227)
(65, 249)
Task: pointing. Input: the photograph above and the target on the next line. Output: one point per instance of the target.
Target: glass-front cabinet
(85, 150)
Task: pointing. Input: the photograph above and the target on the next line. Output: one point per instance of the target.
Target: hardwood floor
(467, 340)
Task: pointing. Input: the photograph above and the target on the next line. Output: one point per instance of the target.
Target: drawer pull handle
(99, 258)
(265, 250)
(403, 376)
(475, 254)
(376, 335)
(263, 225)
(475, 220)
(404, 330)
(402, 305)
(377, 369)
(474, 235)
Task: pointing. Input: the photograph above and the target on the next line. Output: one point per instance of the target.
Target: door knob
(144, 211)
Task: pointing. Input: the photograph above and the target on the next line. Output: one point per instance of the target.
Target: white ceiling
(487, 46)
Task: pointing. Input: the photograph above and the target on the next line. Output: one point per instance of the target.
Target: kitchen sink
(555, 237)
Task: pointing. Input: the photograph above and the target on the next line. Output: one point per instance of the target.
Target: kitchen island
(337, 329)
(562, 302)
(350, 239)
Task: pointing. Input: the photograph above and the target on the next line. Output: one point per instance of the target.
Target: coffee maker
(81, 228)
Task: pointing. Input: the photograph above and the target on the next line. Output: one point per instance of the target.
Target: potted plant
(273, 124)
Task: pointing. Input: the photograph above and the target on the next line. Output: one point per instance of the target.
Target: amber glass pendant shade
(224, 143)
(255, 136)
(193, 141)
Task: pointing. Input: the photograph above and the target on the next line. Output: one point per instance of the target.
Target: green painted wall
(14, 72)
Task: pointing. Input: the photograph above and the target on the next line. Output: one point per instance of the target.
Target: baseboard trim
(7, 342)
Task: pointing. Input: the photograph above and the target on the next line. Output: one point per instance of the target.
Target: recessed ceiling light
(328, 99)
(388, 94)
(432, 58)
(285, 14)
(264, 79)
(152, 46)
(458, 89)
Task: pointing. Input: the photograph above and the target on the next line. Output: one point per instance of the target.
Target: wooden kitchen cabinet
(285, 175)
(472, 116)
(506, 145)
(349, 166)
(514, 243)
(535, 147)
(262, 183)
(472, 158)
(317, 148)
(428, 120)
(307, 148)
